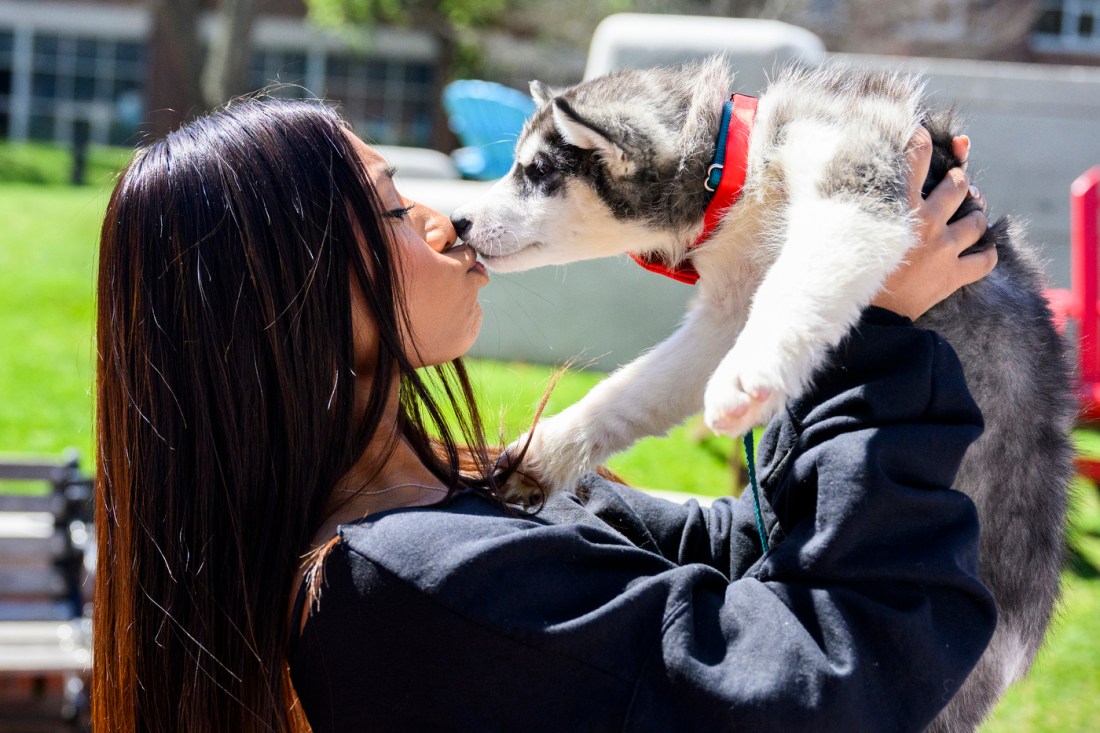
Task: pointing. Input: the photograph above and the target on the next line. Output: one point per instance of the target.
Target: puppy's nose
(461, 225)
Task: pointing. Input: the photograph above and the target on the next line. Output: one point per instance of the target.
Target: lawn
(47, 258)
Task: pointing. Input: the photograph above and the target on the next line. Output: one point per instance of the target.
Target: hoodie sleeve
(867, 612)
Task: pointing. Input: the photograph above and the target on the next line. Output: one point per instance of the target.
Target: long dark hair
(225, 406)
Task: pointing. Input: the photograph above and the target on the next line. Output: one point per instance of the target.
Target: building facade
(69, 68)
(1069, 28)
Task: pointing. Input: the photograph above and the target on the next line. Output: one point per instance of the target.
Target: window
(388, 100)
(1068, 26)
(1050, 22)
(75, 78)
(85, 80)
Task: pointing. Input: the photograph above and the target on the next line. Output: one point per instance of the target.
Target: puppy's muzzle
(462, 226)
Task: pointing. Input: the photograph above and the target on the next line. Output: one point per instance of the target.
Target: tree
(225, 73)
(172, 87)
(182, 82)
(449, 22)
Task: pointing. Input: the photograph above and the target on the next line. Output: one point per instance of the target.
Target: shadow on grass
(1079, 565)
(18, 171)
(48, 164)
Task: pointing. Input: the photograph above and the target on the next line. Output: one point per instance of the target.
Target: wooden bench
(46, 567)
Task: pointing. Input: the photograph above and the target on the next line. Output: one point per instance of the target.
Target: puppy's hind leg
(839, 245)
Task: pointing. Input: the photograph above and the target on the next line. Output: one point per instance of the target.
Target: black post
(82, 130)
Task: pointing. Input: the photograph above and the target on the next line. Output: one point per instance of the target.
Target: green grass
(47, 265)
(44, 164)
(689, 459)
(1062, 693)
(47, 255)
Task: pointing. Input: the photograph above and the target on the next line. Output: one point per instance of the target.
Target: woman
(270, 503)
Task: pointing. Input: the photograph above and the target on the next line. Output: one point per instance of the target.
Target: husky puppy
(616, 165)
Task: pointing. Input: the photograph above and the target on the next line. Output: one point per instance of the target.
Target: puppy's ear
(583, 134)
(541, 93)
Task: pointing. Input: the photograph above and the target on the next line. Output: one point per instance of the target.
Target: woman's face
(439, 278)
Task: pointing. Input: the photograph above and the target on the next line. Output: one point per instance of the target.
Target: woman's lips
(479, 269)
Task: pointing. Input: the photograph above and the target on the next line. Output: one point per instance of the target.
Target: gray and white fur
(615, 165)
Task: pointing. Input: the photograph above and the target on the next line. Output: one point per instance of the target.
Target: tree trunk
(225, 74)
(172, 93)
(442, 138)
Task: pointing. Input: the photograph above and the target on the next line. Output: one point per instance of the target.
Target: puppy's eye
(539, 167)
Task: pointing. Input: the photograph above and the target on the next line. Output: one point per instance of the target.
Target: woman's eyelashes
(400, 213)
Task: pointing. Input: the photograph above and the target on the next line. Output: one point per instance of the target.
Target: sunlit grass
(1062, 693)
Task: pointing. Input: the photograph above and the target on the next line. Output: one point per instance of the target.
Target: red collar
(732, 160)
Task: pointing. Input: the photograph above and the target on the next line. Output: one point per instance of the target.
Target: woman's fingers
(934, 266)
(976, 266)
(919, 155)
(946, 197)
(960, 146)
(967, 230)
(976, 197)
(973, 267)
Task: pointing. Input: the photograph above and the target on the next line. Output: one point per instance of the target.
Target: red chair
(1080, 305)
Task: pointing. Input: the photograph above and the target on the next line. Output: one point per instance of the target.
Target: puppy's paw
(732, 408)
(524, 487)
(555, 458)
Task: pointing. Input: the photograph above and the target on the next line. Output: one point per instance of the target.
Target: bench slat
(27, 524)
(43, 647)
(25, 582)
(22, 550)
(50, 471)
(52, 503)
(44, 659)
(24, 612)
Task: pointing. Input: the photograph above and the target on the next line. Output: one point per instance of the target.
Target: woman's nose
(446, 233)
(434, 227)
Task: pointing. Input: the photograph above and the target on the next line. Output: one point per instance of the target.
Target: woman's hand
(933, 268)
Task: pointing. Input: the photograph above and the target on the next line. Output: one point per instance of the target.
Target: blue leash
(714, 177)
(714, 172)
(750, 461)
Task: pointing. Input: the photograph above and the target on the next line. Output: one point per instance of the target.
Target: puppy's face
(562, 201)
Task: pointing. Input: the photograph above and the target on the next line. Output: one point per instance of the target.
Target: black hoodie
(623, 612)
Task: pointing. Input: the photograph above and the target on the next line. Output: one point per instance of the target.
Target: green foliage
(430, 14)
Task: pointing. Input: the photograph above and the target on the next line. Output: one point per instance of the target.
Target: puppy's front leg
(834, 259)
(647, 397)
